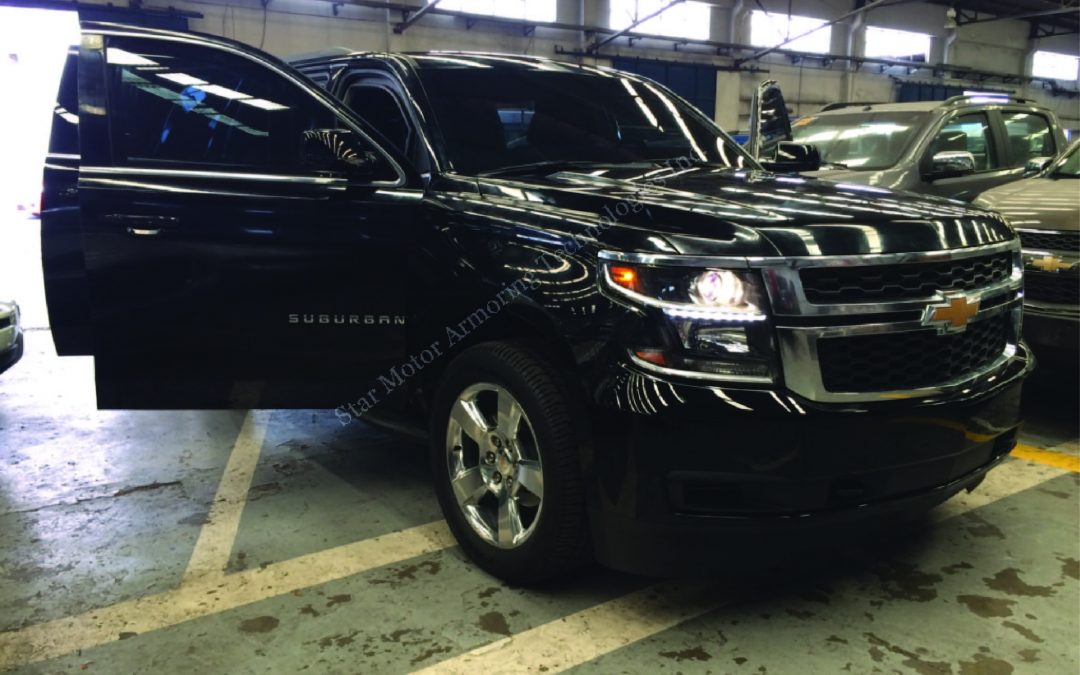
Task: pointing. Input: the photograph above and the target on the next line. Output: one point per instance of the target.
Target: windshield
(860, 140)
(1069, 164)
(498, 117)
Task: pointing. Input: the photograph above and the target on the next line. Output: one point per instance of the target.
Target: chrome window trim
(213, 175)
(302, 82)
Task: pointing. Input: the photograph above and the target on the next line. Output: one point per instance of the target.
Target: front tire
(505, 454)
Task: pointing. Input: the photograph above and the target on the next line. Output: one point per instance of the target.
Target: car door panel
(202, 249)
(974, 132)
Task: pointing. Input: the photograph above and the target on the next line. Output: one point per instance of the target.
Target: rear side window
(969, 133)
(64, 138)
(181, 104)
(1028, 135)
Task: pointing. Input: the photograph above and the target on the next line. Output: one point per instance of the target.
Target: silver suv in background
(11, 337)
(956, 148)
(1045, 211)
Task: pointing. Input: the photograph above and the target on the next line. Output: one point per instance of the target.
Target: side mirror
(337, 151)
(794, 158)
(1037, 165)
(769, 121)
(951, 163)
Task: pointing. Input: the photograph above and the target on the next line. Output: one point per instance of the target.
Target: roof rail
(952, 100)
(328, 53)
(849, 104)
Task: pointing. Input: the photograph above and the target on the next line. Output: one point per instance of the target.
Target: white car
(11, 337)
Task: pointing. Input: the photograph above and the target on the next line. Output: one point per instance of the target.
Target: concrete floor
(233, 542)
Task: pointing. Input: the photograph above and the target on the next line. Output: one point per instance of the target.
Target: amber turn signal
(624, 276)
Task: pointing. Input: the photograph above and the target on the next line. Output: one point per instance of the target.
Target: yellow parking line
(215, 543)
(211, 595)
(591, 633)
(1059, 460)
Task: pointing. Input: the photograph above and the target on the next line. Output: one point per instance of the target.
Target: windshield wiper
(834, 165)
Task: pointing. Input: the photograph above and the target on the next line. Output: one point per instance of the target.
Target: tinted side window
(187, 104)
(64, 138)
(380, 108)
(1029, 136)
(969, 133)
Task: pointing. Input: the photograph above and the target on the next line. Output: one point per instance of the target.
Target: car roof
(929, 106)
(448, 60)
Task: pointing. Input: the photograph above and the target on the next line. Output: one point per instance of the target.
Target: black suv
(623, 338)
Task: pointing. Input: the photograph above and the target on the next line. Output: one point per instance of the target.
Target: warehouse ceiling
(1047, 17)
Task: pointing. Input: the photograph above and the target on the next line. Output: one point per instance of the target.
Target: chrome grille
(1050, 240)
(863, 338)
(840, 284)
(910, 360)
(1058, 289)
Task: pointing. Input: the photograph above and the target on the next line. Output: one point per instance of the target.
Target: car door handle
(142, 225)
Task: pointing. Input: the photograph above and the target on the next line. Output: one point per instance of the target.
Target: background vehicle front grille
(910, 360)
(837, 285)
(1051, 241)
(1061, 289)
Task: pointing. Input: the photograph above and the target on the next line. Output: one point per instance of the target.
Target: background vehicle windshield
(497, 117)
(860, 140)
(1069, 165)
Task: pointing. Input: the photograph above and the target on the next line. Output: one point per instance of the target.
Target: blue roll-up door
(696, 84)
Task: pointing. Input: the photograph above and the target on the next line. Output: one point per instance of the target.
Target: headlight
(713, 294)
(708, 323)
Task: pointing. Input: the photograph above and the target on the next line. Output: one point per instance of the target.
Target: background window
(770, 29)
(1054, 65)
(529, 10)
(689, 20)
(886, 43)
(967, 133)
(183, 104)
(1029, 136)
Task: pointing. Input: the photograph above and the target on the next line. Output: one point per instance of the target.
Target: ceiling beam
(596, 46)
(1017, 17)
(415, 16)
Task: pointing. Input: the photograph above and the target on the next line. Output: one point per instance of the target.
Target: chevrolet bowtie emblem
(1050, 263)
(951, 316)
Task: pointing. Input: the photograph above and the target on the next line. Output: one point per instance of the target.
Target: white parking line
(210, 595)
(591, 633)
(215, 543)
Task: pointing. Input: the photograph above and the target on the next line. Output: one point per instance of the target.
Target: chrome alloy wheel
(494, 465)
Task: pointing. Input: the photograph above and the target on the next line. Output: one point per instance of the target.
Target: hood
(1037, 203)
(704, 210)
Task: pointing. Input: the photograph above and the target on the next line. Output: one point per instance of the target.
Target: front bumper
(683, 473)
(12, 354)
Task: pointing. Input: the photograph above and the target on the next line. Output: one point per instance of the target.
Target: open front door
(242, 231)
